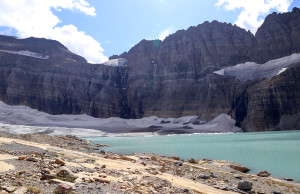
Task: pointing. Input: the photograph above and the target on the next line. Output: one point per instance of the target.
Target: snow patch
(27, 54)
(250, 70)
(120, 62)
(281, 70)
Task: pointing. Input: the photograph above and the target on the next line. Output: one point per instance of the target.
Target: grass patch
(33, 189)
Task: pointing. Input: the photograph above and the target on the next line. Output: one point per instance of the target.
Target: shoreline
(110, 172)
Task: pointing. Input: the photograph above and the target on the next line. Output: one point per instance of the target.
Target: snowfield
(120, 62)
(250, 70)
(27, 54)
(17, 119)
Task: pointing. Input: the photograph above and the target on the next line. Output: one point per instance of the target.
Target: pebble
(58, 161)
(263, 174)
(22, 157)
(178, 163)
(32, 159)
(203, 176)
(237, 176)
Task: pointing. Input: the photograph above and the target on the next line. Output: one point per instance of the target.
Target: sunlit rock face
(278, 36)
(170, 78)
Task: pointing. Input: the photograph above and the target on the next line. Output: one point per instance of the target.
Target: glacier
(250, 70)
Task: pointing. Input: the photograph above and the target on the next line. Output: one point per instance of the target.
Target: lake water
(276, 152)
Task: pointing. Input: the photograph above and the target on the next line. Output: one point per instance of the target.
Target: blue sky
(120, 24)
(97, 29)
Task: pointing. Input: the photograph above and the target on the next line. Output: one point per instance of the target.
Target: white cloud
(253, 11)
(35, 18)
(165, 33)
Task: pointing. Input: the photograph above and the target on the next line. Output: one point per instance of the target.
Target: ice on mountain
(250, 70)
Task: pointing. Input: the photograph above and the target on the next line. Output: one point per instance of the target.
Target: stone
(102, 152)
(58, 161)
(204, 161)
(31, 159)
(64, 172)
(175, 158)
(239, 168)
(63, 188)
(263, 174)
(9, 189)
(22, 157)
(47, 177)
(102, 180)
(237, 176)
(21, 190)
(212, 175)
(203, 176)
(163, 169)
(245, 185)
(46, 171)
(178, 163)
(153, 158)
(143, 163)
(126, 158)
(57, 181)
(192, 160)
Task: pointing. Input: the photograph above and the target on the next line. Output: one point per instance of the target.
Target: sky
(97, 29)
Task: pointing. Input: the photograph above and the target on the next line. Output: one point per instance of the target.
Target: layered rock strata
(169, 78)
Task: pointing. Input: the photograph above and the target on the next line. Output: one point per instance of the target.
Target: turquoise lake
(276, 152)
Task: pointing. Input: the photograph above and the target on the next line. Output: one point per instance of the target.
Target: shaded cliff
(169, 78)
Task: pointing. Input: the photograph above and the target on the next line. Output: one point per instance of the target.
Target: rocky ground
(38, 163)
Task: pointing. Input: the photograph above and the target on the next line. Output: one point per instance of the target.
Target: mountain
(179, 76)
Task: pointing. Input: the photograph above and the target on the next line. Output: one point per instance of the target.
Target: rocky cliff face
(169, 78)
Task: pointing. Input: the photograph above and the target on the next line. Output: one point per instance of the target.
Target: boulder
(63, 189)
(65, 173)
(263, 173)
(239, 168)
(245, 185)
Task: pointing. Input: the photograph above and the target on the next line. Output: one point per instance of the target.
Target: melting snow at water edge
(13, 119)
